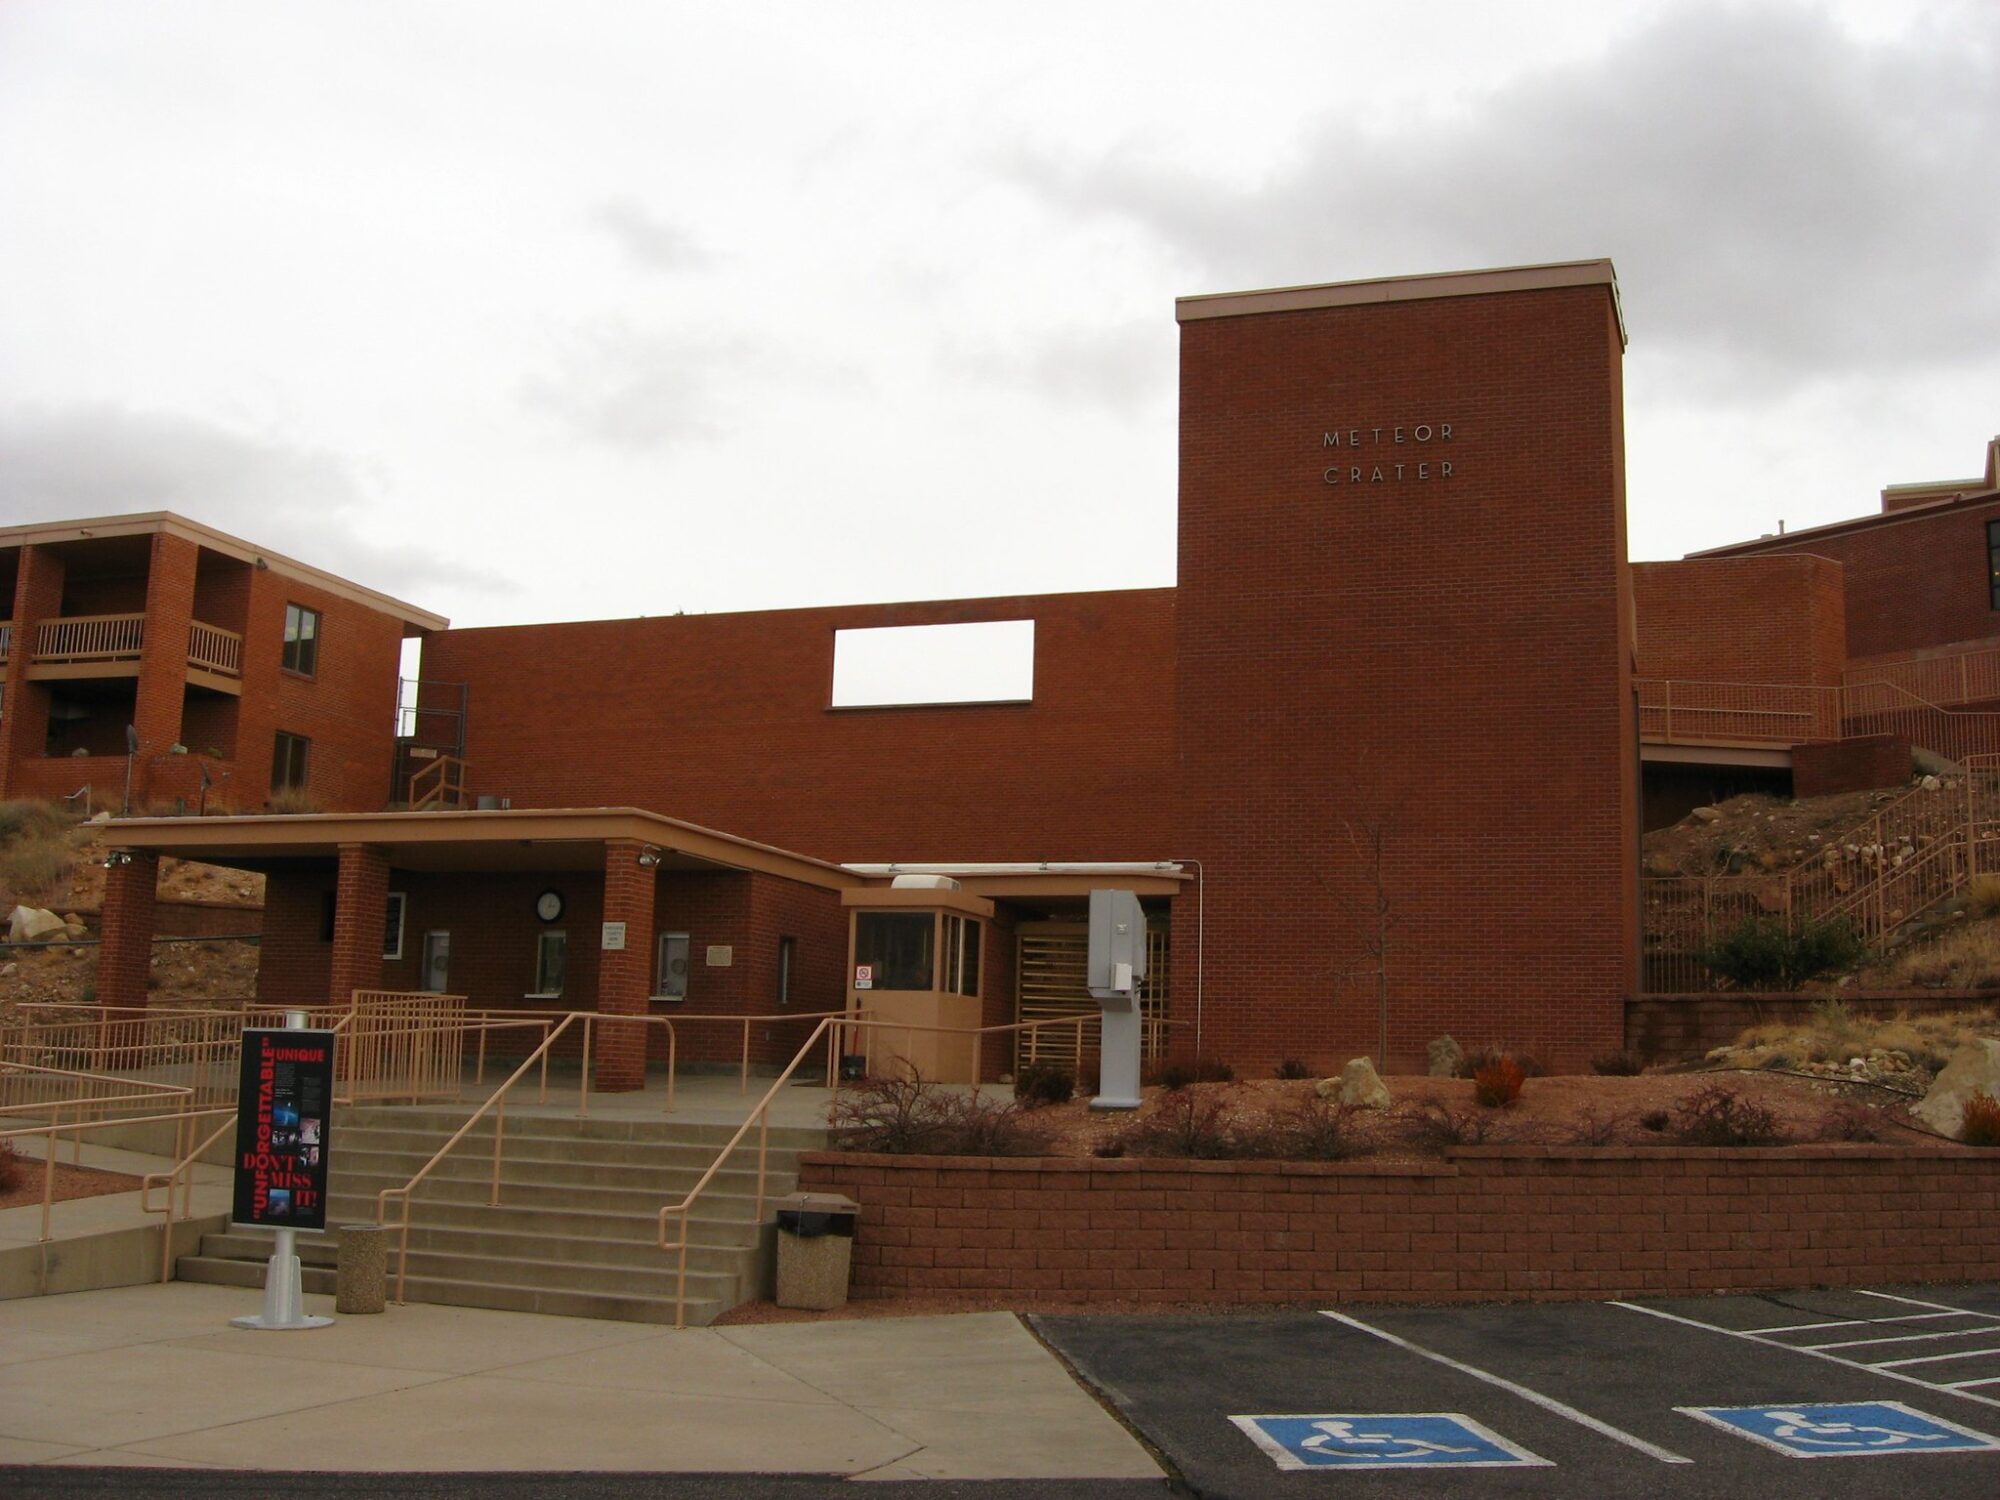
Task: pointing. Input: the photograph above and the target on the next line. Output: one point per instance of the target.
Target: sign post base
(284, 1299)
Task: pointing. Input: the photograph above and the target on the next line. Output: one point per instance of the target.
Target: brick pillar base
(360, 912)
(625, 975)
(125, 952)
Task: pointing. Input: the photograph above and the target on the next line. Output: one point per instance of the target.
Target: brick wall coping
(1944, 1150)
(1112, 1166)
(1972, 999)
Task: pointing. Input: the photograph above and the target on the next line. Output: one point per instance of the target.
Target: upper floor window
(301, 640)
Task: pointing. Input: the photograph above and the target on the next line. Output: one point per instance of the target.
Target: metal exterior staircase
(576, 1229)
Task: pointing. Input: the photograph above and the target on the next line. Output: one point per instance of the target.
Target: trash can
(815, 1249)
(361, 1269)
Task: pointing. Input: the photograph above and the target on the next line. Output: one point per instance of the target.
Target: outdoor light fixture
(117, 857)
(649, 857)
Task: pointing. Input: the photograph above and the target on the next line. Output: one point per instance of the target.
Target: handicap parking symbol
(1844, 1430)
(1382, 1440)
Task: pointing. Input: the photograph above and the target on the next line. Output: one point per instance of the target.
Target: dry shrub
(1436, 1127)
(1183, 1124)
(1292, 1069)
(35, 852)
(1851, 1122)
(293, 800)
(1718, 1116)
(1655, 1120)
(1980, 1124)
(1617, 1065)
(1039, 1083)
(11, 1170)
(1963, 957)
(1179, 1072)
(1312, 1129)
(1498, 1084)
(1982, 895)
(1594, 1127)
(907, 1114)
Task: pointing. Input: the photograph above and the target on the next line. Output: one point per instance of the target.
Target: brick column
(360, 908)
(162, 685)
(125, 954)
(24, 713)
(625, 975)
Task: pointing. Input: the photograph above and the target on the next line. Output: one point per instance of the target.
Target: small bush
(11, 1171)
(908, 1115)
(1718, 1116)
(1763, 952)
(1617, 1065)
(1185, 1124)
(293, 800)
(1294, 1068)
(1983, 895)
(1436, 1127)
(1655, 1120)
(1044, 1083)
(1313, 1129)
(1594, 1127)
(1980, 1125)
(1498, 1084)
(1180, 1072)
(1851, 1122)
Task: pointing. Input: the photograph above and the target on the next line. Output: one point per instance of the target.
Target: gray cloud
(1118, 368)
(651, 241)
(105, 460)
(1774, 192)
(638, 390)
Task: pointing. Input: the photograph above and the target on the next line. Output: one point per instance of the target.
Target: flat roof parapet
(1407, 289)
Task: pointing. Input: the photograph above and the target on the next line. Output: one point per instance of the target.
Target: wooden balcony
(109, 646)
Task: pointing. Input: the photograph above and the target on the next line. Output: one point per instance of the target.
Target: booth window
(1993, 559)
(898, 945)
(961, 955)
(671, 966)
(551, 952)
(291, 754)
(392, 933)
(787, 951)
(301, 652)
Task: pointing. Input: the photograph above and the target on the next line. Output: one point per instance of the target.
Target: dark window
(392, 932)
(898, 945)
(326, 916)
(551, 954)
(1993, 560)
(787, 951)
(290, 756)
(301, 640)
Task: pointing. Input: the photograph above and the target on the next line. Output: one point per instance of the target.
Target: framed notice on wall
(284, 1102)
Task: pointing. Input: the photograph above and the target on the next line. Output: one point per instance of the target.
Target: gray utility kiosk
(1116, 965)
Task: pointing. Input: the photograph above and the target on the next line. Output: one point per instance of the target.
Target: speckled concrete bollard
(361, 1271)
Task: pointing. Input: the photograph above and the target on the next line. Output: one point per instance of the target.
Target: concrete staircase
(576, 1228)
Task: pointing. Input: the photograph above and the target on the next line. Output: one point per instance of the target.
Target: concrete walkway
(155, 1376)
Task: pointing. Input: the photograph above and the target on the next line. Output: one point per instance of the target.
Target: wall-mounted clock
(549, 905)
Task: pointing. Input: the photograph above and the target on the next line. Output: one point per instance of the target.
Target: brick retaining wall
(1490, 1223)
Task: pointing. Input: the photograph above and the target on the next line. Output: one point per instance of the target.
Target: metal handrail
(182, 1172)
(761, 1117)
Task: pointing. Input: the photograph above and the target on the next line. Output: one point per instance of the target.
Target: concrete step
(669, 1178)
(667, 1129)
(643, 1255)
(554, 1147)
(438, 1188)
(706, 1227)
(218, 1270)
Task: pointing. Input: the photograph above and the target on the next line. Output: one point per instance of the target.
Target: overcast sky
(553, 311)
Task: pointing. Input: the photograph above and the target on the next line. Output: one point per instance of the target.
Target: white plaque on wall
(720, 955)
(614, 937)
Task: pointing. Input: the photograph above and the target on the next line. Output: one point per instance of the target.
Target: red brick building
(1373, 764)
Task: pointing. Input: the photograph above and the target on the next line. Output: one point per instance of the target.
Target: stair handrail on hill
(1948, 677)
(441, 783)
(1879, 873)
(1682, 711)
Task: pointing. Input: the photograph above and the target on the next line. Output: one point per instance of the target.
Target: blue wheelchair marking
(1844, 1430)
(1377, 1440)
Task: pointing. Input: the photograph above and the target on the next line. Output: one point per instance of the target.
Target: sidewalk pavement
(155, 1376)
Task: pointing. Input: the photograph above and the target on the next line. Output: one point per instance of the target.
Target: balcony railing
(79, 640)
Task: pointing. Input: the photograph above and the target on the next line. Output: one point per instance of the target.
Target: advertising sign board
(283, 1107)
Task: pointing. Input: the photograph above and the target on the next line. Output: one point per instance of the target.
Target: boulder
(1973, 1069)
(1360, 1085)
(30, 924)
(1446, 1058)
(1707, 814)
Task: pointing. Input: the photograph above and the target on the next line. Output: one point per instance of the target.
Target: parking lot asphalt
(1700, 1397)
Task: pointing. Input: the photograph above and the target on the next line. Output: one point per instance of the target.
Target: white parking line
(1931, 1359)
(1900, 1338)
(1966, 1385)
(1861, 1322)
(1835, 1359)
(1546, 1403)
(1963, 1312)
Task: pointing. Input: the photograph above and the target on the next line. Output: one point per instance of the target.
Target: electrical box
(1117, 960)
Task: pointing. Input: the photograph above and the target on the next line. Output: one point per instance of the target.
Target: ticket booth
(913, 959)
